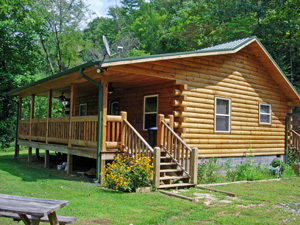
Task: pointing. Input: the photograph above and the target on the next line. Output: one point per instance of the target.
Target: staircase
(171, 175)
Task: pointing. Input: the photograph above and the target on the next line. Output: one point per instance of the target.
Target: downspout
(286, 136)
(99, 131)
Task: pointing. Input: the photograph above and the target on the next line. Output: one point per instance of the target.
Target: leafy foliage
(207, 170)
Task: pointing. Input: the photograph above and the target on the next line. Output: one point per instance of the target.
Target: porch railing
(120, 134)
(295, 140)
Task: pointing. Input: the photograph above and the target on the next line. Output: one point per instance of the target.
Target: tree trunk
(47, 55)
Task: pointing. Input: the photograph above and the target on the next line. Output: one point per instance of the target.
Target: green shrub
(207, 170)
(292, 157)
(231, 173)
(288, 172)
(246, 171)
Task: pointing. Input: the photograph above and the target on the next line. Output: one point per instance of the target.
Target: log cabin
(224, 101)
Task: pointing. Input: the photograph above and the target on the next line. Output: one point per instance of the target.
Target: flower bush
(126, 176)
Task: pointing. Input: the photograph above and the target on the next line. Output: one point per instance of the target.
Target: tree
(62, 42)
(19, 58)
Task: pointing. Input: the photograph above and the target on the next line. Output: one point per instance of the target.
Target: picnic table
(32, 211)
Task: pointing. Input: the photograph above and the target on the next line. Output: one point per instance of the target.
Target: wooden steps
(171, 176)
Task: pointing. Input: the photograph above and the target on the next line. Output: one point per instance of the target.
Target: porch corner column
(72, 111)
(30, 125)
(19, 115)
(104, 112)
(49, 112)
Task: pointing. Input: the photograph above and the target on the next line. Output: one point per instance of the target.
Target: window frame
(228, 115)
(261, 113)
(79, 110)
(144, 109)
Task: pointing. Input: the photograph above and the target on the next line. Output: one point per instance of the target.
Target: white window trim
(228, 115)
(144, 113)
(81, 105)
(261, 113)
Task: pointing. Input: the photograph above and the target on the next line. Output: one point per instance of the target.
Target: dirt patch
(103, 222)
(249, 206)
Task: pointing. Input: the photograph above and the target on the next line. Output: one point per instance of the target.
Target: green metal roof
(229, 46)
(222, 47)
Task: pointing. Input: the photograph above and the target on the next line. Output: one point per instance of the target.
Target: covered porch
(124, 115)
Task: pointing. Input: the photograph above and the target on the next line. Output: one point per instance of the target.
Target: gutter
(99, 131)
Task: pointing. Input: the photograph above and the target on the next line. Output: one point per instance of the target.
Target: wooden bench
(61, 219)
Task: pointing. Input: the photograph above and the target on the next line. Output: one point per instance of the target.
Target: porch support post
(72, 110)
(29, 154)
(19, 114)
(47, 156)
(31, 115)
(102, 169)
(194, 166)
(156, 166)
(104, 112)
(49, 111)
(30, 126)
(37, 153)
(69, 164)
(160, 118)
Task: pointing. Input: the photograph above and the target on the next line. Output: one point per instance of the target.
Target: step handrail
(134, 145)
(181, 155)
(173, 132)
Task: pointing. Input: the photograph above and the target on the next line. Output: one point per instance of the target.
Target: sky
(100, 7)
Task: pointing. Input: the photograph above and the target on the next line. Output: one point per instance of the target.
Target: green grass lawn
(258, 203)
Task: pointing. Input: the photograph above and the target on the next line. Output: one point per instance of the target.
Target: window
(265, 113)
(83, 109)
(150, 111)
(222, 115)
(114, 107)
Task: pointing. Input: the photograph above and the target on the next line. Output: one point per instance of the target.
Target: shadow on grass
(29, 172)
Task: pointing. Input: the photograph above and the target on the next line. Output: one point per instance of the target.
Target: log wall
(243, 79)
(132, 101)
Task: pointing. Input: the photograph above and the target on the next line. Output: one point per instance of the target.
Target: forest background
(39, 38)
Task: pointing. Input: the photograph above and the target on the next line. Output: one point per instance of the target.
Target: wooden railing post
(194, 166)
(72, 110)
(49, 111)
(160, 118)
(156, 166)
(290, 126)
(171, 125)
(123, 129)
